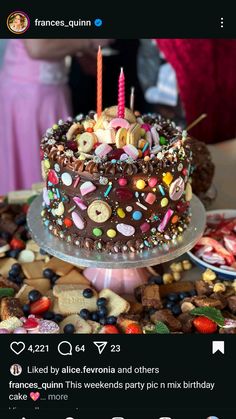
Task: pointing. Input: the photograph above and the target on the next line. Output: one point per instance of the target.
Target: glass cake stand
(119, 272)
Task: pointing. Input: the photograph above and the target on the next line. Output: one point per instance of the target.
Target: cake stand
(120, 272)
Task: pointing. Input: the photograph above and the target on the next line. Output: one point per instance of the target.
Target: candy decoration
(141, 206)
(79, 203)
(122, 181)
(87, 187)
(165, 220)
(60, 209)
(78, 221)
(97, 232)
(105, 136)
(102, 150)
(163, 140)
(188, 192)
(167, 178)
(111, 233)
(129, 208)
(86, 142)
(140, 184)
(125, 229)
(131, 101)
(66, 179)
(119, 123)
(108, 190)
(155, 136)
(45, 196)
(145, 227)
(161, 189)
(164, 202)
(121, 94)
(121, 137)
(68, 222)
(99, 211)
(131, 150)
(152, 182)
(176, 189)
(137, 215)
(52, 177)
(150, 198)
(76, 182)
(175, 219)
(120, 212)
(99, 82)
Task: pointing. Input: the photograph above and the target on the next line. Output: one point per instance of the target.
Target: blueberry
(24, 235)
(69, 329)
(101, 302)
(102, 312)
(20, 219)
(26, 309)
(54, 279)
(155, 280)
(85, 314)
(176, 310)
(88, 293)
(34, 295)
(95, 316)
(172, 296)
(5, 235)
(12, 273)
(48, 273)
(16, 268)
(183, 295)
(111, 320)
(58, 318)
(151, 311)
(13, 253)
(169, 304)
(18, 280)
(103, 321)
(192, 293)
(48, 315)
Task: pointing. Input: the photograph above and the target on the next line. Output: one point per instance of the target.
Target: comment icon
(65, 348)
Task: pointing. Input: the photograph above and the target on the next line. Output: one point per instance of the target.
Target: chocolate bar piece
(181, 286)
(232, 303)
(213, 301)
(203, 288)
(167, 317)
(151, 296)
(5, 283)
(10, 307)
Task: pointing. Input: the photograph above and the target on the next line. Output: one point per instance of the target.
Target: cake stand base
(118, 272)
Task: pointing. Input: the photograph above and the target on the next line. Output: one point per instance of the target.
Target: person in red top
(206, 75)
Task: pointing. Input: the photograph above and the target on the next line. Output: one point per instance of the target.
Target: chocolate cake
(116, 184)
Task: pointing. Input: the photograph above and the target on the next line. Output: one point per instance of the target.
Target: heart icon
(17, 347)
(34, 396)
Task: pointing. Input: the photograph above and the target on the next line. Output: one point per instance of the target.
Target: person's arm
(55, 49)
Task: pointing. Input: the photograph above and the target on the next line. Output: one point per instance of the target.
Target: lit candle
(99, 81)
(121, 95)
(131, 105)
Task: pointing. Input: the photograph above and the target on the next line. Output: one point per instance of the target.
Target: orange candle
(99, 81)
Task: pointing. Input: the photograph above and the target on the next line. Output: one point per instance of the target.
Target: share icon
(100, 346)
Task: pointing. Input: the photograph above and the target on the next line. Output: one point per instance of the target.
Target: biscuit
(112, 112)
(86, 142)
(33, 269)
(99, 211)
(40, 284)
(59, 266)
(71, 300)
(121, 137)
(5, 266)
(81, 326)
(115, 304)
(134, 134)
(62, 288)
(73, 130)
(23, 293)
(73, 277)
(31, 245)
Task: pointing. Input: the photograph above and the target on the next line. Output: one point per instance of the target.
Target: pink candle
(121, 94)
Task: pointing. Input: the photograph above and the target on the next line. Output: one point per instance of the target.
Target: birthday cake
(116, 184)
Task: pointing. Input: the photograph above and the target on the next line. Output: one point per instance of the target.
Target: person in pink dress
(34, 95)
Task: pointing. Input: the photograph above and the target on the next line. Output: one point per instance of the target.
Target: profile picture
(212, 417)
(18, 22)
(16, 369)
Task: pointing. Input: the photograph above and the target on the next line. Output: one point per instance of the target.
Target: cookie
(62, 288)
(59, 266)
(40, 284)
(121, 137)
(31, 245)
(115, 304)
(112, 112)
(5, 266)
(23, 293)
(73, 277)
(99, 211)
(33, 269)
(80, 325)
(86, 142)
(74, 130)
(11, 324)
(71, 299)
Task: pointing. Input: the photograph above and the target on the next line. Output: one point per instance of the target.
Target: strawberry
(109, 329)
(204, 325)
(17, 244)
(40, 306)
(133, 329)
